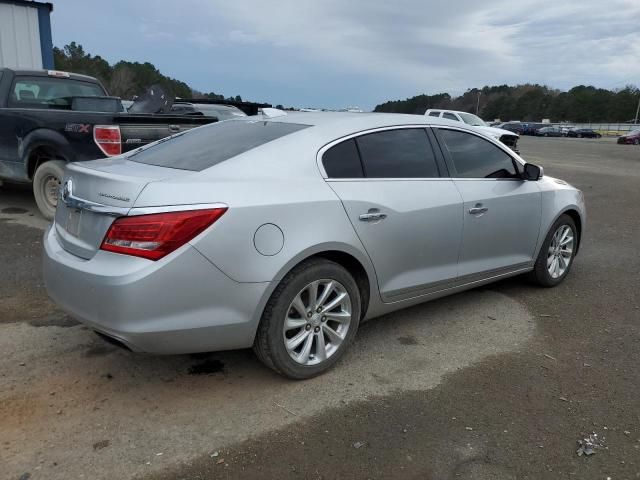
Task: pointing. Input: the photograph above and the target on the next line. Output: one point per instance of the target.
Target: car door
(502, 212)
(407, 216)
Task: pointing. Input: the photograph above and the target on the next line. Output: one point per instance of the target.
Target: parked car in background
(200, 242)
(507, 137)
(530, 128)
(515, 127)
(631, 138)
(564, 130)
(221, 112)
(49, 118)
(583, 133)
(549, 132)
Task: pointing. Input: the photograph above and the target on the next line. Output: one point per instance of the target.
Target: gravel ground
(495, 383)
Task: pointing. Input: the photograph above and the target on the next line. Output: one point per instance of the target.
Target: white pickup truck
(510, 139)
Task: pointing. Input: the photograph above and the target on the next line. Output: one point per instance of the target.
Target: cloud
(238, 36)
(151, 32)
(333, 52)
(454, 44)
(202, 40)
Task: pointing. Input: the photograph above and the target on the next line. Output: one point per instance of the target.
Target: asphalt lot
(495, 383)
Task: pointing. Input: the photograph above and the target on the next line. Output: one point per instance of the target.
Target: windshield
(471, 119)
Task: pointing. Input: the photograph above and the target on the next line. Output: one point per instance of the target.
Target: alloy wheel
(560, 251)
(317, 321)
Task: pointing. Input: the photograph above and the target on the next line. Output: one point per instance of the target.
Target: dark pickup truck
(48, 118)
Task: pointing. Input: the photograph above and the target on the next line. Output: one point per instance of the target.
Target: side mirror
(532, 172)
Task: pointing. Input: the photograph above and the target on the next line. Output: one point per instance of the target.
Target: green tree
(124, 79)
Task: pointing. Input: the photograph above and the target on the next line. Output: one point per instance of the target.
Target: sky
(339, 53)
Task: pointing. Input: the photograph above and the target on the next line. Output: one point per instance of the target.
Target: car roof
(442, 110)
(360, 120)
(45, 73)
(329, 126)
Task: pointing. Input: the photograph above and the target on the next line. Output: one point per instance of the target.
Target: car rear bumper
(180, 304)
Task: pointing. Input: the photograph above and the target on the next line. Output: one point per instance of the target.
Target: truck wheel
(46, 186)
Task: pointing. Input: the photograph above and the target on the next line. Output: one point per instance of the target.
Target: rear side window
(475, 157)
(45, 92)
(342, 161)
(450, 116)
(402, 153)
(209, 145)
(434, 114)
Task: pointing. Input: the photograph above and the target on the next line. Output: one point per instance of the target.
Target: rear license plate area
(72, 225)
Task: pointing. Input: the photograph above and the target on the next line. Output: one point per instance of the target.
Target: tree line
(125, 79)
(530, 102)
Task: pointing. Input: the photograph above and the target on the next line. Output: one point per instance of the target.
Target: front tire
(310, 320)
(46, 186)
(556, 254)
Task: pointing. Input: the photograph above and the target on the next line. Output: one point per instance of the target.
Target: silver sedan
(283, 232)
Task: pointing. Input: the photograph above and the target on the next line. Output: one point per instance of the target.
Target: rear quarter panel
(279, 184)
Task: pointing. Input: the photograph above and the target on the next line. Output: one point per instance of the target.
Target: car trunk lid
(94, 194)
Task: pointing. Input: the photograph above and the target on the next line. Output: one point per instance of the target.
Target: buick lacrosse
(283, 232)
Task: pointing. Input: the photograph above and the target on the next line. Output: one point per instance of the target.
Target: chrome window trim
(326, 147)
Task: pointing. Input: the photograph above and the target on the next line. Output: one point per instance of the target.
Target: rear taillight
(107, 137)
(155, 235)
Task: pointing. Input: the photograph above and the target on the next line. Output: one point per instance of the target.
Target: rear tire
(556, 254)
(46, 186)
(281, 325)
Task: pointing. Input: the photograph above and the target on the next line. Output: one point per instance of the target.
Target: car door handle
(373, 215)
(478, 209)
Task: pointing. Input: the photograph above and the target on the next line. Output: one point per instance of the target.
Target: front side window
(44, 92)
(400, 153)
(475, 157)
(450, 116)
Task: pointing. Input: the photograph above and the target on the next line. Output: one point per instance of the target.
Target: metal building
(25, 34)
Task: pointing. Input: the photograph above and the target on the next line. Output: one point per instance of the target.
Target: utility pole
(480, 92)
(637, 111)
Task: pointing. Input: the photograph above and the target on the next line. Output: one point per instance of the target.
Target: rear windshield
(209, 145)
